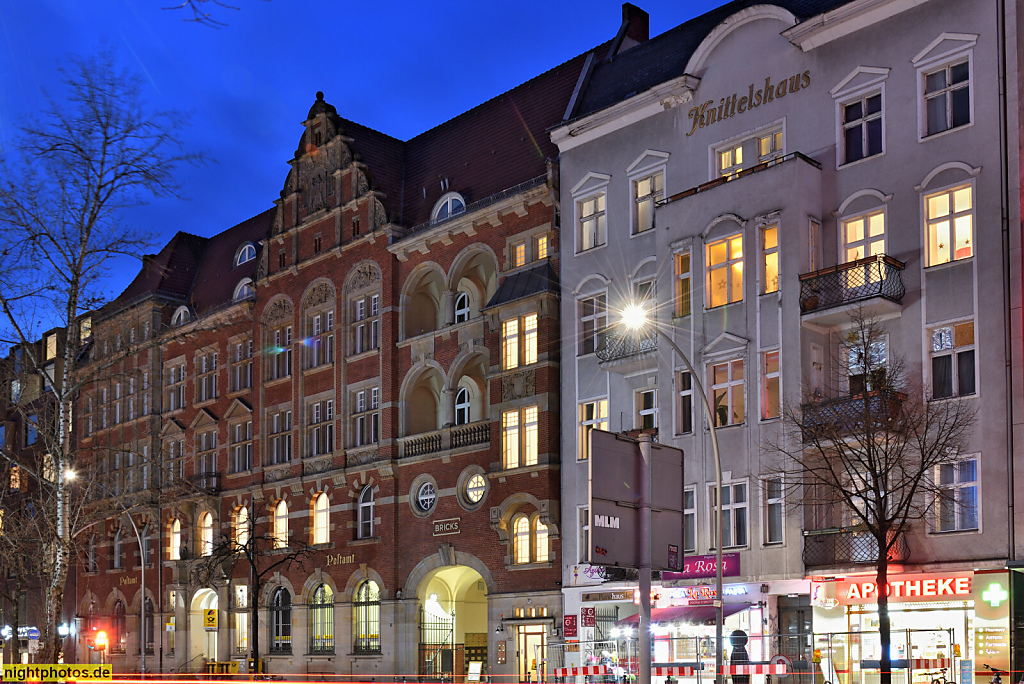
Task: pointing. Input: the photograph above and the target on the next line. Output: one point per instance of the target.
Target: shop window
(953, 364)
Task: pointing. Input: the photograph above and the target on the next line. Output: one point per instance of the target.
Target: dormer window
(449, 205)
(245, 254)
(181, 317)
(244, 290)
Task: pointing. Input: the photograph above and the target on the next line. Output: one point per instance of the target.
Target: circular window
(426, 496)
(476, 488)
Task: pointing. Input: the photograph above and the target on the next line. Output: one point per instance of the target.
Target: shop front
(952, 621)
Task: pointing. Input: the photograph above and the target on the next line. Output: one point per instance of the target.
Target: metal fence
(917, 656)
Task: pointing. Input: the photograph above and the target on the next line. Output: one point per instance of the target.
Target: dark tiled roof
(169, 273)
(664, 57)
(217, 275)
(530, 281)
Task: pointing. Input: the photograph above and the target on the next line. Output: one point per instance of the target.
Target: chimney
(638, 22)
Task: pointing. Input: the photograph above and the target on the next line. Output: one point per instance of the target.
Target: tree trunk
(254, 616)
(881, 585)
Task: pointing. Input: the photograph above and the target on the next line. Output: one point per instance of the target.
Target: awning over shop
(690, 614)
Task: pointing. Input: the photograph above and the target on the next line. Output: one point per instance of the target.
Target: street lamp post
(635, 318)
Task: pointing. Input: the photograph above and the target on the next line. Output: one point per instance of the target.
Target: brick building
(364, 376)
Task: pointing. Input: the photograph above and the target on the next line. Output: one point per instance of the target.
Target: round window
(475, 488)
(426, 496)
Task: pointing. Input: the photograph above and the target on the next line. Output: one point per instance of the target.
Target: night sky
(399, 67)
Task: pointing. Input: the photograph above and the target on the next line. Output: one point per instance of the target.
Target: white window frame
(690, 514)
(766, 377)
(451, 204)
(957, 488)
(321, 519)
(748, 142)
(727, 266)
(770, 504)
(463, 307)
(683, 401)
(585, 425)
(945, 335)
(929, 68)
(643, 411)
(730, 507)
(862, 96)
(279, 526)
(728, 386)
(599, 318)
(951, 217)
(678, 277)
(599, 217)
(766, 253)
(520, 434)
(365, 522)
(655, 193)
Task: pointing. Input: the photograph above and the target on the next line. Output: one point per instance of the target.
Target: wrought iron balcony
(849, 546)
(851, 283)
(627, 351)
(837, 418)
(207, 482)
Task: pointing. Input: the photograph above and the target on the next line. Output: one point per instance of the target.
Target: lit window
(518, 254)
(864, 236)
(242, 527)
(646, 417)
(725, 271)
(320, 518)
(519, 446)
(530, 540)
(593, 320)
(593, 416)
(51, 347)
(366, 510)
(593, 225)
(519, 341)
(727, 392)
(279, 525)
(947, 97)
(321, 620)
(770, 401)
(689, 519)
(646, 193)
(769, 147)
(957, 503)
(246, 253)
(953, 367)
(366, 616)
(950, 225)
(862, 127)
(174, 548)
(540, 247)
(730, 161)
(682, 281)
(734, 515)
(770, 258)
(205, 534)
(774, 502)
(476, 487)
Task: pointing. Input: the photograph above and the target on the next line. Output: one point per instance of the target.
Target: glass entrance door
(531, 651)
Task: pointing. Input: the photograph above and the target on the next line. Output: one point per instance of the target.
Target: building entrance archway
(452, 621)
(202, 644)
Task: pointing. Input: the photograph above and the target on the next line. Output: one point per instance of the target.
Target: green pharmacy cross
(994, 595)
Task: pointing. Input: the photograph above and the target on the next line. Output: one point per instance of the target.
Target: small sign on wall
(501, 652)
(210, 619)
(569, 626)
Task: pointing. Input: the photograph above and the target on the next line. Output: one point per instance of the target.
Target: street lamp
(636, 318)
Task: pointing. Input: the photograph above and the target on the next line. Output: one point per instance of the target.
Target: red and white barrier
(779, 669)
(928, 663)
(585, 670)
(673, 671)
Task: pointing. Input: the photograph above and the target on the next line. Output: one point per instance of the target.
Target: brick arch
(360, 575)
(315, 579)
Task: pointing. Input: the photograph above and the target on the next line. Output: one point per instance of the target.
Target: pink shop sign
(698, 567)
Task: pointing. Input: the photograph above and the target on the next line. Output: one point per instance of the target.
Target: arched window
(117, 560)
(366, 615)
(174, 551)
(540, 541)
(244, 290)
(448, 206)
(366, 513)
(205, 534)
(321, 620)
(246, 253)
(521, 540)
(281, 621)
(180, 317)
(279, 530)
(150, 632)
(462, 404)
(320, 518)
(242, 528)
(461, 307)
(90, 554)
(118, 634)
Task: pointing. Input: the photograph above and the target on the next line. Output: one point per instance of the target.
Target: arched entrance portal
(202, 643)
(453, 622)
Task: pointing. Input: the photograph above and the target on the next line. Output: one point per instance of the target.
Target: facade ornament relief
(767, 219)
(518, 385)
(277, 311)
(365, 275)
(318, 294)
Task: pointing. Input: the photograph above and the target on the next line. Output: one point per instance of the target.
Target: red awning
(690, 614)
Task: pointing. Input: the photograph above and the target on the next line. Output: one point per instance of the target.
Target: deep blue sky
(399, 67)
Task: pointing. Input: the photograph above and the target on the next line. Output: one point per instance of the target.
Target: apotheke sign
(900, 589)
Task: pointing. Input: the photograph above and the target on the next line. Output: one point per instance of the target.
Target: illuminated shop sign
(901, 588)
(697, 593)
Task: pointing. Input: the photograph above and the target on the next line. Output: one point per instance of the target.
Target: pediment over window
(591, 182)
(946, 45)
(861, 78)
(172, 428)
(725, 343)
(203, 419)
(238, 409)
(648, 160)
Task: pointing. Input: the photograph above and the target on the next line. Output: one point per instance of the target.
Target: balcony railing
(626, 345)
(837, 418)
(455, 437)
(849, 546)
(856, 281)
(207, 482)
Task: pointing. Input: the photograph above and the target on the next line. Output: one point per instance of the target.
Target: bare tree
(873, 449)
(76, 167)
(201, 11)
(252, 546)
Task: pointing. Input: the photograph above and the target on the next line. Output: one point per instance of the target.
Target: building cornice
(843, 21)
